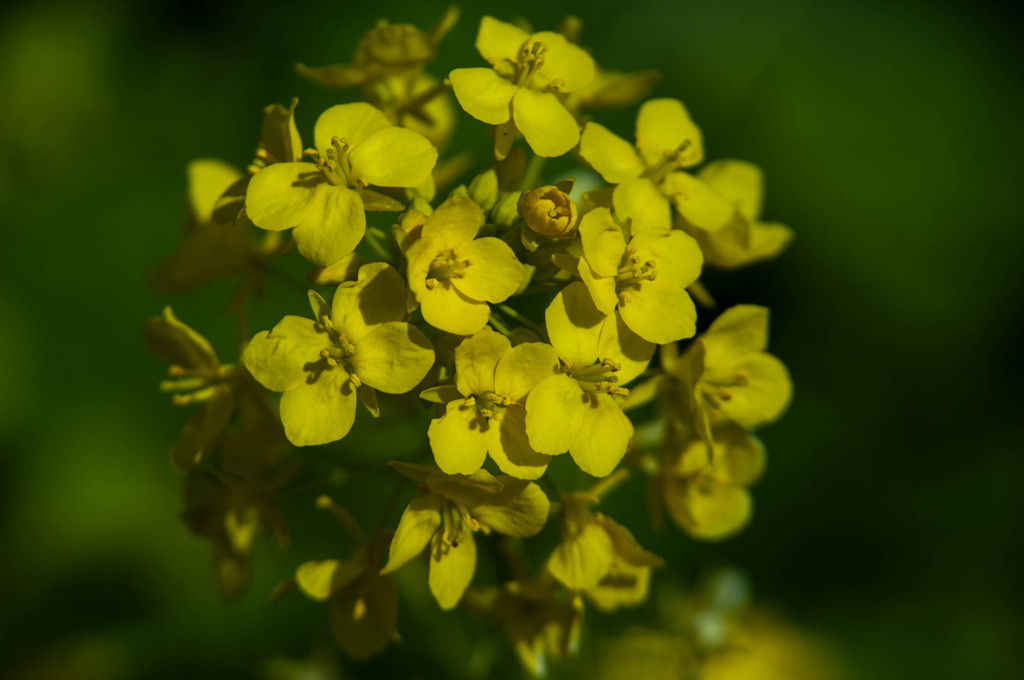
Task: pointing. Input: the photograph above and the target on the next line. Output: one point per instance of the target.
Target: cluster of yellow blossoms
(533, 319)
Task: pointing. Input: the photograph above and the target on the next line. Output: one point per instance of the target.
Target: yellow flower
(358, 344)
(599, 556)
(648, 177)
(708, 498)
(538, 622)
(364, 603)
(456, 507)
(744, 239)
(521, 92)
(549, 211)
(645, 280)
(454, 275)
(578, 410)
(484, 411)
(325, 201)
(197, 377)
(729, 375)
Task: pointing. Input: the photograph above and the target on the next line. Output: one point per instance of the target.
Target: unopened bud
(484, 189)
(548, 211)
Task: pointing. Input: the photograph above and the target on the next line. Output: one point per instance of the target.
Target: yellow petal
(738, 181)
(351, 122)
(179, 343)
(277, 358)
(547, 126)
(620, 343)
(574, 325)
(660, 312)
(519, 509)
(321, 411)
(510, 448)
(483, 94)
(739, 330)
(446, 309)
(452, 225)
(603, 242)
(739, 455)
(697, 202)
(476, 358)
(522, 367)
(707, 509)
(582, 560)
(498, 41)
(278, 135)
(677, 255)
(611, 156)
(625, 546)
(451, 569)
(377, 296)
(281, 195)
(493, 273)
(566, 68)
(554, 414)
(601, 288)
(459, 439)
(464, 489)
(208, 179)
(393, 157)
(765, 395)
(605, 433)
(319, 579)
(643, 204)
(393, 358)
(420, 521)
(664, 125)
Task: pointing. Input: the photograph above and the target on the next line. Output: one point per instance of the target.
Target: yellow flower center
(597, 377)
(450, 265)
(335, 355)
(456, 520)
(717, 392)
(490, 406)
(632, 274)
(199, 383)
(531, 59)
(671, 159)
(336, 168)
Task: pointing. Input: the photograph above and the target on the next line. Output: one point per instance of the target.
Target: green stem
(498, 325)
(532, 175)
(373, 238)
(516, 316)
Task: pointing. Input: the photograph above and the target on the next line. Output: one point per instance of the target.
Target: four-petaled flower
(455, 508)
(324, 202)
(358, 344)
(521, 91)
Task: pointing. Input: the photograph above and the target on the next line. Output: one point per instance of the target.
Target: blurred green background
(890, 520)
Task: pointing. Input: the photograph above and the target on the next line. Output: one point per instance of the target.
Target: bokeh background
(890, 520)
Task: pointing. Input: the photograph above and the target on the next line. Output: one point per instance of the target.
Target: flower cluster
(525, 317)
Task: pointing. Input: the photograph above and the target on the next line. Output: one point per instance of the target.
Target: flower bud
(484, 189)
(548, 211)
(505, 212)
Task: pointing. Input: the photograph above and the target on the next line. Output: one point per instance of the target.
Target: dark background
(890, 519)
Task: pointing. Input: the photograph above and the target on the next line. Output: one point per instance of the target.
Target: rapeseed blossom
(520, 93)
(486, 413)
(578, 410)
(454, 274)
(644, 279)
(507, 313)
(455, 508)
(324, 202)
(357, 344)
